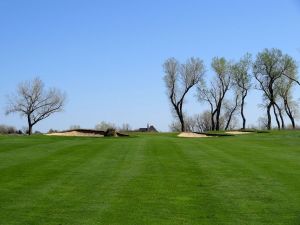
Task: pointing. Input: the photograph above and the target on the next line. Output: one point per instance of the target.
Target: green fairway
(150, 179)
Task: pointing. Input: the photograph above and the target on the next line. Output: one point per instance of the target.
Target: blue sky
(108, 55)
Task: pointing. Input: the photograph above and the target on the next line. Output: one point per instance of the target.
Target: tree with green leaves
(242, 81)
(219, 86)
(269, 67)
(290, 106)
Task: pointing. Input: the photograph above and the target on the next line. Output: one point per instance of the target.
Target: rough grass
(150, 179)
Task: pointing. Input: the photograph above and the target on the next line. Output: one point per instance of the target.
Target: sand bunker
(237, 132)
(192, 135)
(75, 134)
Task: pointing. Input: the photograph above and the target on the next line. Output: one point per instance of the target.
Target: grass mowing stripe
(247, 188)
(151, 179)
(39, 177)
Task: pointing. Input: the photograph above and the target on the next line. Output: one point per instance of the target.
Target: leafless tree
(175, 126)
(242, 81)
(203, 121)
(125, 127)
(34, 102)
(262, 122)
(179, 79)
(269, 67)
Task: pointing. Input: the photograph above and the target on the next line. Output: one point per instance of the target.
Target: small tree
(179, 79)
(34, 102)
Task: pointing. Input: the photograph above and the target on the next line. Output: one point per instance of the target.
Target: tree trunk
(281, 116)
(181, 122)
(231, 113)
(218, 117)
(269, 116)
(293, 122)
(29, 125)
(289, 113)
(242, 112)
(212, 122)
(276, 117)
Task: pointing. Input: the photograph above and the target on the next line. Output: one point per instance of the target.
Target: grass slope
(150, 179)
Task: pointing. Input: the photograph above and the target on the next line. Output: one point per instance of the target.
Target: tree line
(272, 72)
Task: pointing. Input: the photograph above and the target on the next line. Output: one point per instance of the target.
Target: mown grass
(150, 179)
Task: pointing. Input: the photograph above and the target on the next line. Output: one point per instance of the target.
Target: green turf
(150, 179)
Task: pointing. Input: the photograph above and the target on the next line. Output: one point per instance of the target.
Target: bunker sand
(75, 134)
(192, 135)
(237, 132)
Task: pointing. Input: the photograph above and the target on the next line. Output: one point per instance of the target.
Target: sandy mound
(192, 135)
(237, 132)
(75, 134)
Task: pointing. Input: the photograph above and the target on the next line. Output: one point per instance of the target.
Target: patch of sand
(237, 132)
(192, 135)
(75, 134)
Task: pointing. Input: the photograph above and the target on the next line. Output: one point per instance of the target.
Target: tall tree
(34, 102)
(271, 65)
(242, 81)
(289, 105)
(219, 86)
(179, 79)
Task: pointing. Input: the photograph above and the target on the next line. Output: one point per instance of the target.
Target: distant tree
(179, 79)
(269, 67)
(203, 122)
(74, 127)
(125, 127)
(231, 108)
(4, 129)
(34, 102)
(242, 81)
(52, 131)
(105, 126)
(175, 126)
(262, 122)
(215, 94)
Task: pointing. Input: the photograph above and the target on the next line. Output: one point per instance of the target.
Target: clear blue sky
(108, 55)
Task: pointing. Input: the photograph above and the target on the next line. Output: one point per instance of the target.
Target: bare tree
(179, 79)
(34, 102)
(175, 126)
(203, 121)
(262, 123)
(242, 81)
(271, 65)
(125, 127)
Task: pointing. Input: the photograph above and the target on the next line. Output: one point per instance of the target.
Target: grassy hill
(150, 179)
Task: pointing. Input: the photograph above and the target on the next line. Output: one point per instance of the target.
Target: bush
(8, 129)
(110, 133)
